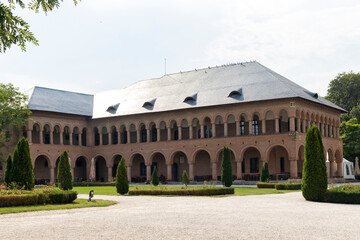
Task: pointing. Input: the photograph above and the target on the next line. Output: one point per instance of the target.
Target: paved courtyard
(277, 216)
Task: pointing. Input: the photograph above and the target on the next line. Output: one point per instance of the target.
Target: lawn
(108, 190)
(78, 203)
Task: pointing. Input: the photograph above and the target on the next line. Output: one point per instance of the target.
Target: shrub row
(183, 192)
(288, 186)
(93, 184)
(265, 185)
(37, 198)
(342, 197)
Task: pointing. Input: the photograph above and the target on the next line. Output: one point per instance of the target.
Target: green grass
(238, 191)
(78, 203)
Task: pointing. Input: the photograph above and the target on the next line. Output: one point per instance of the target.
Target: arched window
(114, 136)
(207, 128)
(174, 130)
(56, 135)
(75, 136)
(83, 137)
(143, 133)
(153, 132)
(36, 133)
(123, 134)
(105, 136)
(255, 125)
(66, 136)
(96, 137)
(46, 134)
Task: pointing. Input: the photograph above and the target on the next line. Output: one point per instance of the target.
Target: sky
(110, 44)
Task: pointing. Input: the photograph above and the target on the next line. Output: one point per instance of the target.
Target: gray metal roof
(247, 82)
(52, 100)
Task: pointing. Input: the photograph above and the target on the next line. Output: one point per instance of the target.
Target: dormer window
(236, 93)
(149, 104)
(191, 99)
(113, 108)
(314, 95)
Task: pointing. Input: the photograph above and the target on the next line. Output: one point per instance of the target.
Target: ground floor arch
(179, 165)
(116, 161)
(219, 165)
(300, 161)
(101, 173)
(42, 170)
(202, 166)
(80, 170)
(138, 168)
(251, 163)
(158, 161)
(279, 164)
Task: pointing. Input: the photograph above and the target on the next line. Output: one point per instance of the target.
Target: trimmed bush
(288, 186)
(8, 170)
(23, 172)
(155, 177)
(18, 200)
(89, 184)
(185, 178)
(184, 192)
(122, 183)
(265, 185)
(226, 173)
(62, 197)
(265, 175)
(314, 178)
(64, 172)
(349, 194)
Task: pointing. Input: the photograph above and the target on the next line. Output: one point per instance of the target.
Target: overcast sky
(107, 44)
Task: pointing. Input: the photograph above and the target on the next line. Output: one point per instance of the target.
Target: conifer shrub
(8, 170)
(314, 178)
(265, 175)
(226, 174)
(23, 172)
(185, 178)
(122, 183)
(155, 177)
(64, 172)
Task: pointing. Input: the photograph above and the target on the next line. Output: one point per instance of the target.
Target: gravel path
(277, 216)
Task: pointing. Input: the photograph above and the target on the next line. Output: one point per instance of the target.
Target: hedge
(18, 200)
(184, 192)
(62, 197)
(288, 186)
(93, 184)
(265, 185)
(343, 194)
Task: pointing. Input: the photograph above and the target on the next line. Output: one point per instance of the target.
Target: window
(46, 164)
(176, 134)
(143, 135)
(282, 164)
(242, 128)
(124, 137)
(153, 134)
(347, 169)
(255, 126)
(78, 163)
(254, 165)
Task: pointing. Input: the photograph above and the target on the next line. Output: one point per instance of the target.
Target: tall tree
(265, 175)
(64, 172)
(350, 134)
(122, 183)
(23, 172)
(155, 177)
(16, 31)
(13, 113)
(226, 173)
(8, 170)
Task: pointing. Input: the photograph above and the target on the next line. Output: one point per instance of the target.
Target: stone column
(339, 169)
(337, 132)
(298, 125)
(239, 170)
(191, 132)
(214, 171)
(128, 133)
(213, 126)
(191, 171)
(325, 130)
(148, 172)
(51, 137)
(169, 134)
(292, 124)
(72, 172)
(158, 134)
(138, 136)
(332, 169)
(41, 137)
(101, 139)
(237, 126)
(61, 137)
(168, 172)
(201, 131)
(179, 133)
(225, 129)
(276, 125)
(304, 125)
(52, 175)
(109, 174)
(29, 135)
(70, 138)
(250, 127)
(293, 168)
(109, 137)
(148, 135)
(128, 168)
(119, 136)
(263, 126)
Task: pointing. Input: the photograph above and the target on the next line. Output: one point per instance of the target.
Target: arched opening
(114, 136)
(231, 126)
(46, 134)
(35, 133)
(196, 128)
(219, 126)
(302, 122)
(244, 125)
(105, 136)
(279, 164)
(284, 123)
(158, 161)
(153, 132)
(300, 161)
(330, 163)
(75, 136)
(101, 172)
(163, 131)
(270, 122)
(180, 163)
(184, 129)
(123, 135)
(219, 165)
(138, 169)
(143, 133)
(133, 135)
(80, 169)
(96, 137)
(66, 136)
(116, 161)
(42, 170)
(251, 164)
(207, 128)
(256, 124)
(338, 160)
(83, 137)
(202, 168)
(56, 135)
(174, 130)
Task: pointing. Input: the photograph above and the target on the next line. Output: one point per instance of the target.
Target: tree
(350, 134)
(64, 172)
(314, 181)
(344, 91)
(265, 175)
(226, 173)
(8, 170)
(14, 30)
(185, 178)
(122, 183)
(23, 172)
(155, 177)
(14, 113)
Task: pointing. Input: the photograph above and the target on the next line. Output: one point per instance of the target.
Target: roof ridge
(61, 90)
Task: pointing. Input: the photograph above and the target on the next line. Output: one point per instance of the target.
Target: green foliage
(265, 175)
(344, 194)
(14, 30)
(265, 185)
(288, 186)
(155, 177)
(184, 192)
(62, 197)
(350, 134)
(8, 171)
(23, 173)
(226, 173)
(344, 91)
(64, 172)
(122, 183)
(14, 111)
(18, 200)
(314, 181)
(185, 178)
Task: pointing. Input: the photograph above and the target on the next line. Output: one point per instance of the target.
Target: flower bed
(343, 194)
(211, 191)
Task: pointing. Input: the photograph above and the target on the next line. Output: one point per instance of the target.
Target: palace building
(181, 122)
